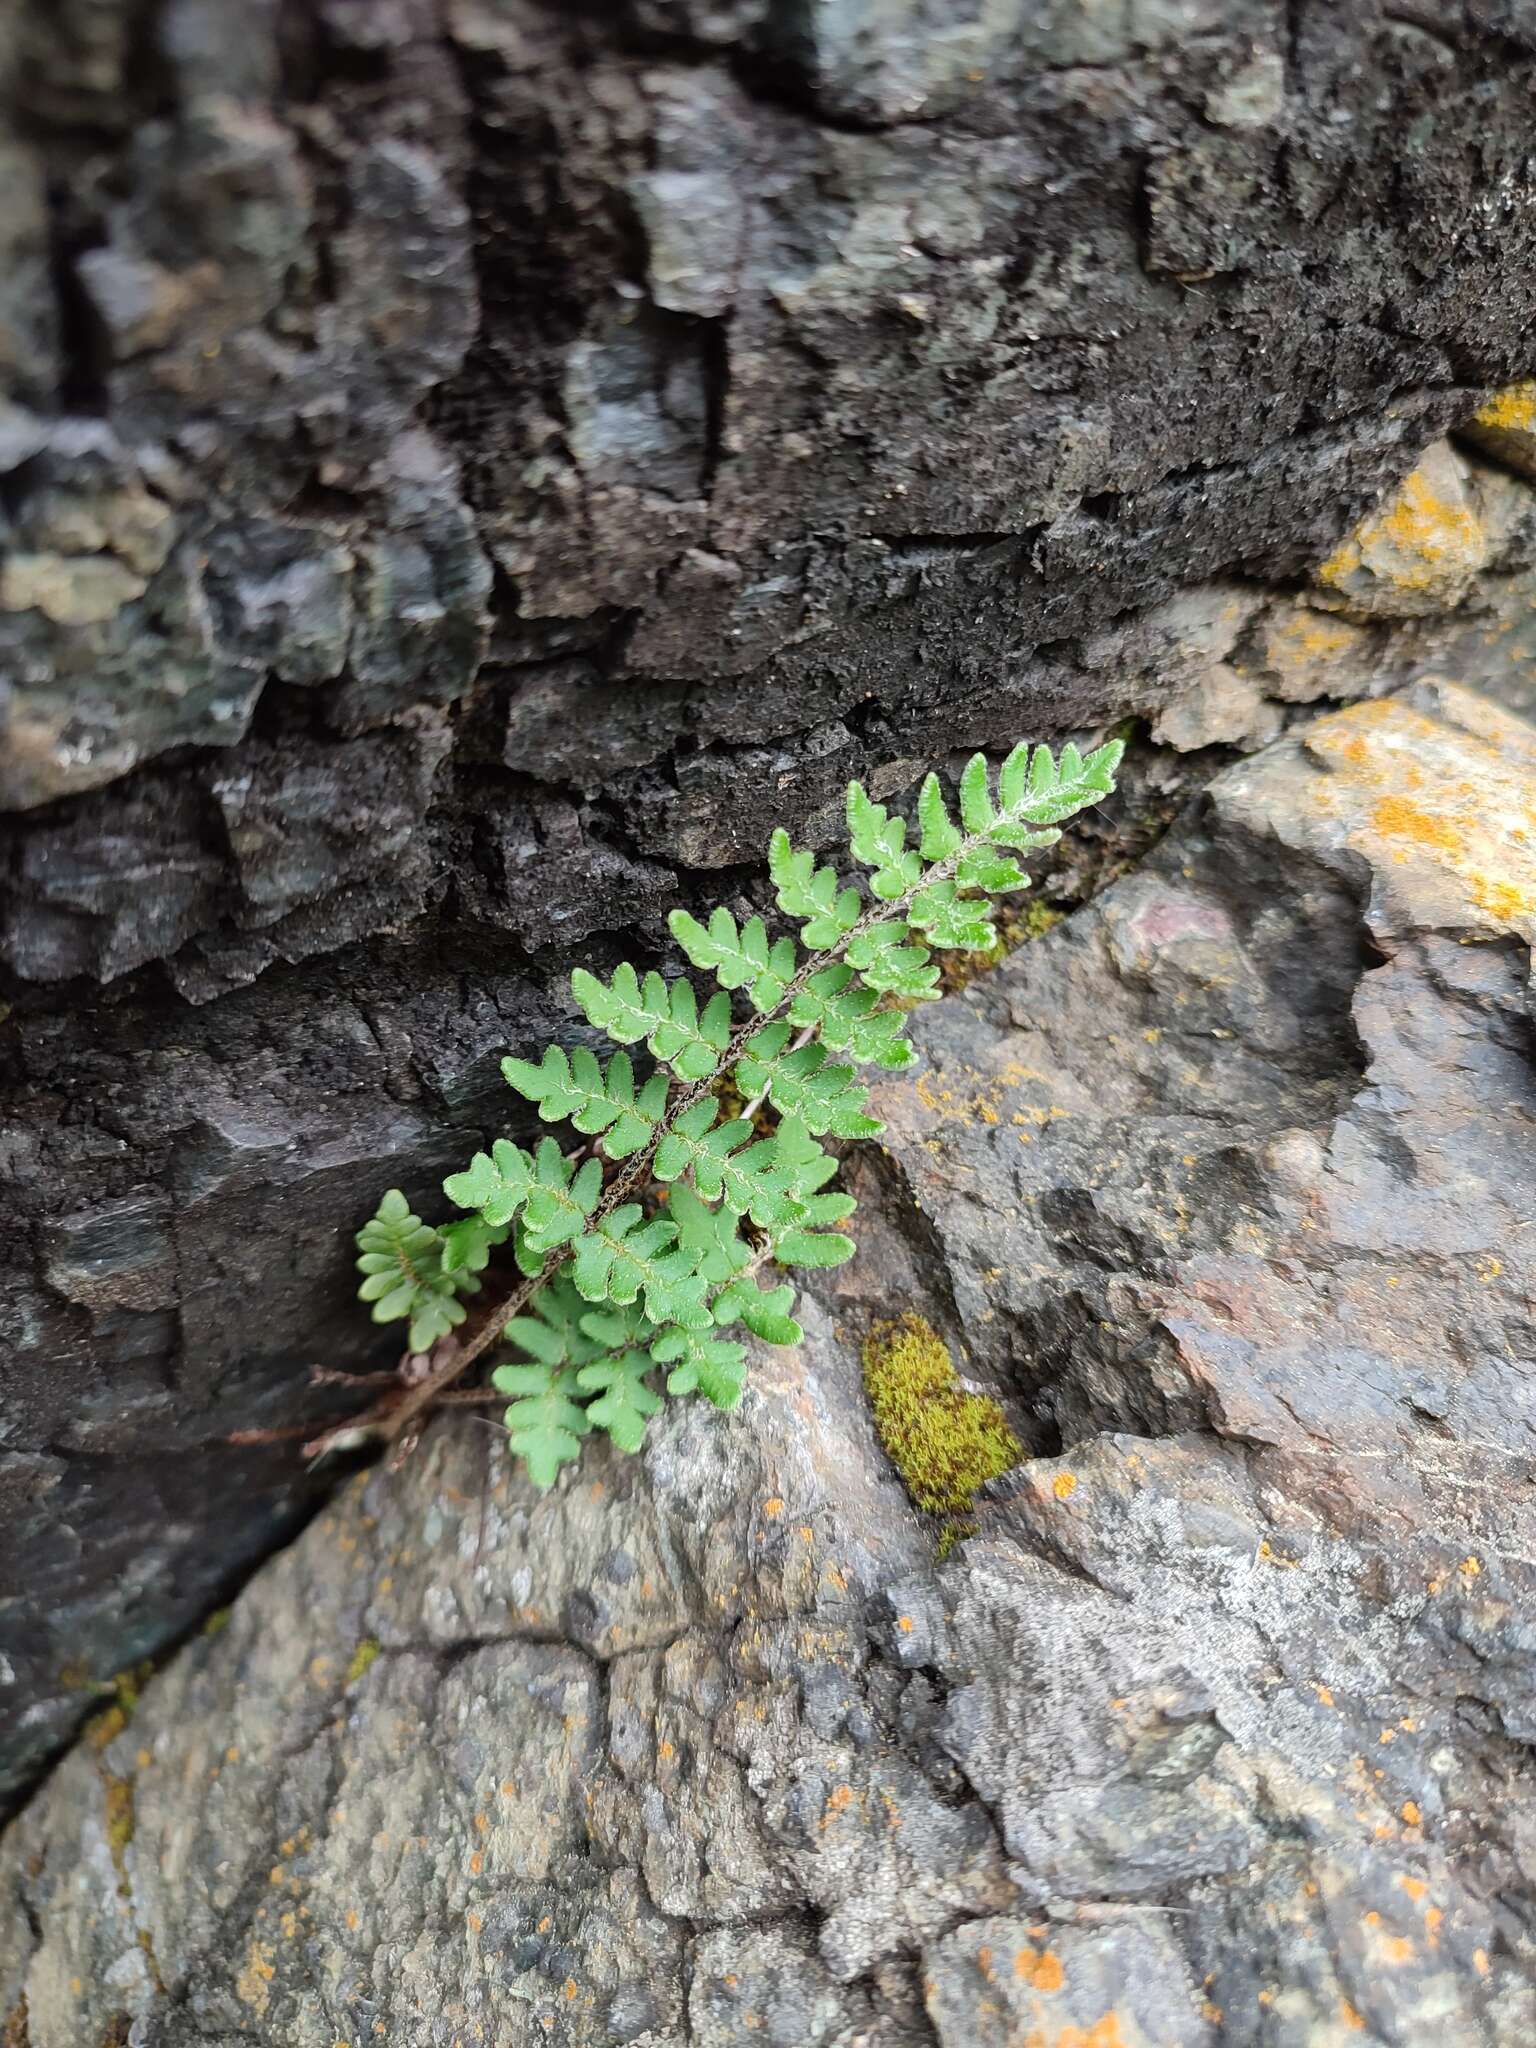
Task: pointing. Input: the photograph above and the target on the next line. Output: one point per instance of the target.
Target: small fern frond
(715, 1367)
(545, 1423)
(401, 1260)
(676, 1031)
(573, 1088)
(646, 1270)
(798, 1081)
(738, 957)
(812, 894)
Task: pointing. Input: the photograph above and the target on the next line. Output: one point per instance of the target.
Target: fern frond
(560, 1199)
(765, 1311)
(724, 1165)
(625, 1403)
(611, 1291)
(715, 1367)
(878, 841)
(738, 957)
(497, 1183)
(676, 1031)
(573, 1088)
(623, 1258)
(811, 893)
(848, 1018)
(545, 1423)
(798, 1080)
(404, 1276)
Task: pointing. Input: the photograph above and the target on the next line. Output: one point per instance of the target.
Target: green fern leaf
(799, 1081)
(885, 963)
(848, 1018)
(738, 958)
(878, 841)
(946, 918)
(726, 1167)
(615, 1328)
(765, 1311)
(712, 1366)
(496, 1183)
(466, 1245)
(403, 1278)
(624, 1258)
(560, 1200)
(941, 837)
(544, 1424)
(554, 1331)
(1037, 791)
(575, 1089)
(677, 1032)
(713, 1235)
(691, 1040)
(625, 1404)
(811, 893)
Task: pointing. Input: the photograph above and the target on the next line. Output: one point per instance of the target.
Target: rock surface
(469, 467)
(1215, 1733)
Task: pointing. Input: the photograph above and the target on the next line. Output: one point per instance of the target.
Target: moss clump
(362, 1659)
(117, 1794)
(944, 1442)
(217, 1622)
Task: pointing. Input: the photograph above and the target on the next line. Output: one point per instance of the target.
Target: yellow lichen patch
(117, 1794)
(1512, 409)
(362, 1659)
(1439, 807)
(1064, 1485)
(944, 1442)
(252, 1986)
(1417, 550)
(1042, 1972)
(1506, 426)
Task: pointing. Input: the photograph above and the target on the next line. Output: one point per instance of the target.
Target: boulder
(1212, 1731)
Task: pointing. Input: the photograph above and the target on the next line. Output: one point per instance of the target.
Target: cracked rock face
(469, 468)
(1217, 1729)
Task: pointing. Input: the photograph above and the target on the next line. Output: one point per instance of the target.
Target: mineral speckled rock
(468, 471)
(1213, 1732)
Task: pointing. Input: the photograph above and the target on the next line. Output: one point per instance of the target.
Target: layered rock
(1217, 1729)
(468, 470)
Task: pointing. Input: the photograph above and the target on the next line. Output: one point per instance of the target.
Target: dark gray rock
(468, 471)
(1214, 1732)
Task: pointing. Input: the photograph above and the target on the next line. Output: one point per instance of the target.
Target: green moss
(121, 1821)
(217, 1622)
(944, 1442)
(362, 1659)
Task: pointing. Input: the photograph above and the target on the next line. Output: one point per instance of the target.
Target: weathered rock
(1213, 1733)
(470, 470)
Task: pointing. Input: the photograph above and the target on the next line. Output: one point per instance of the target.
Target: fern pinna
(638, 1251)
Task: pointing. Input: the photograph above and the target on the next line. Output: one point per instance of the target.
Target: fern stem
(453, 1355)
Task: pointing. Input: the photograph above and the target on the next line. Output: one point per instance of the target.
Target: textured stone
(1506, 427)
(470, 470)
(1214, 1731)
(1418, 552)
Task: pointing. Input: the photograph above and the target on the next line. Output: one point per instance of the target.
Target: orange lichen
(1410, 538)
(1511, 411)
